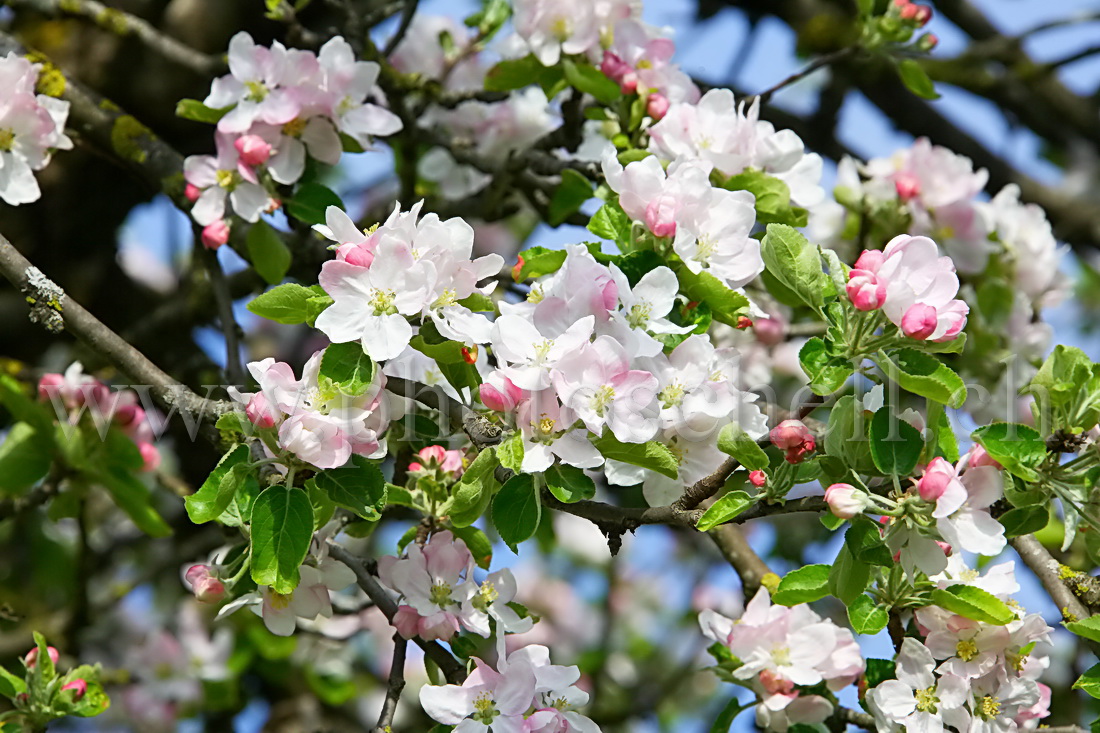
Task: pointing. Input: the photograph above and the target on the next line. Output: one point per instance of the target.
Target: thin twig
(818, 63)
(407, 14)
(394, 685)
(234, 367)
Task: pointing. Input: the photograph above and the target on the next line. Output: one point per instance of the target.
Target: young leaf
(895, 444)
(478, 544)
(1019, 448)
(1089, 681)
(916, 79)
(848, 577)
(726, 305)
(282, 528)
(975, 603)
(536, 262)
(866, 616)
(193, 109)
(510, 452)
(573, 191)
(1026, 520)
(360, 489)
(288, 304)
(734, 441)
(724, 510)
(134, 498)
(827, 373)
(517, 510)
(470, 497)
(590, 80)
(926, 376)
(611, 222)
(269, 254)
(1088, 628)
(569, 484)
(654, 456)
(25, 457)
(215, 494)
(804, 585)
(795, 263)
(310, 201)
(349, 367)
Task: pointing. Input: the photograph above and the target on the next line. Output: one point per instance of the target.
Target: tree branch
(451, 667)
(1049, 572)
(394, 685)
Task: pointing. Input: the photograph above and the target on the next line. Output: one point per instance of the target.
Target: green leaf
(590, 80)
(10, 685)
(611, 222)
(895, 444)
(725, 509)
(479, 302)
(478, 543)
(926, 376)
(219, 488)
(239, 511)
(282, 528)
(134, 498)
(726, 305)
(804, 585)
(470, 497)
(193, 109)
(349, 367)
(510, 453)
(846, 437)
(573, 191)
(849, 576)
(569, 484)
(1025, 520)
(725, 718)
(866, 616)
(1019, 448)
(827, 373)
(536, 262)
(1089, 681)
(734, 441)
(916, 79)
(24, 409)
(360, 489)
(795, 263)
(519, 73)
(288, 304)
(773, 197)
(654, 456)
(864, 541)
(25, 458)
(268, 253)
(1089, 628)
(493, 14)
(309, 202)
(517, 510)
(975, 603)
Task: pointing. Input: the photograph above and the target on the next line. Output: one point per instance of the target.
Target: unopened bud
(743, 322)
(253, 149)
(78, 686)
(31, 659)
(49, 385)
(469, 354)
(846, 501)
(919, 321)
(206, 587)
(793, 437)
(758, 478)
(128, 416)
(927, 42)
(770, 331)
(907, 185)
(216, 234)
(150, 457)
(259, 412)
(657, 106)
(191, 192)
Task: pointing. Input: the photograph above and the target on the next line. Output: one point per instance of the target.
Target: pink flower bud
(129, 416)
(770, 331)
(909, 11)
(947, 549)
(870, 260)
(979, 457)
(657, 106)
(206, 587)
(150, 457)
(789, 434)
(846, 501)
(436, 453)
(31, 659)
(355, 254)
(937, 477)
(660, 215)
(259, 411)
(469, 354)
(49, 385)
(907, 186)
(415, 467)
(758, 478)
(252, 149)
(629, 83)
(919, 322)
(613, 67)
(923, 15)
(494, 399)
(78, 686)
(216, 234)
(927, 42)
(743, 322)
(865, 290)
(191, 192)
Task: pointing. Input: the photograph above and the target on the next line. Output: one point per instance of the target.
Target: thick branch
(1049, 572)
(451, 667)
(394, 685)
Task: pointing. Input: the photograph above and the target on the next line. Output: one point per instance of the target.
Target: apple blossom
(918, 699)
(846, 501)
(223, 176)
(487, 700)
(551, 28)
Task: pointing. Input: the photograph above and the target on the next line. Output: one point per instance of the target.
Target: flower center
(484, 709)
(672, 395)
(449, 297)
(441, 595)
(7, 139)
(535, 294)
(561, 28)
(639, 314)
(543, 348)
(966, 650)
(704, 248)
(926, 700)
(782, 656)
(382, 302)
(486, 594)
(544, 427)
(604, 396)
(278, 601)
(226, 179)
(295, 127)
(257, 92)
(988, 708)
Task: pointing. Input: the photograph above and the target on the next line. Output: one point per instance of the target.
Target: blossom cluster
(583, 355)
(32, 126)
(967, 674)
(75, 393)
(439, 596)
(310, 417)
(283, 105)
(409, 267)
(525, 693)
(781, 649)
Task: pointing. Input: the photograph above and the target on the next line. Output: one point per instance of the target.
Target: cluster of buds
(78, 686)
(918, 15)
(795, 438)
(435, 459)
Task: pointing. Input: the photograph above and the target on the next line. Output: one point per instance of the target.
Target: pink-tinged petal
(280, 107)
(244, 59)
(370, 119)
(985, 485)
(289, 163)
(249, 201)
(322, 141)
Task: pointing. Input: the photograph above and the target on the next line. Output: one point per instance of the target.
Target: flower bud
(660, 215)
(191, 192)
(494, 399)
(629, 83)
(78, 686)
(206, 587)
(947, 549)
(657, 106)
(31, 659)
(865, 290)
(415, 467)
(770, 331)
(436, 453)
(919, 321)
(216, 234)
(469, 354)
(758, 478)
(795, 438)
(259, 411)
(937, 477)
(923, 15)
(150, 457)
(927, 42)
(907, 185)
(517, 269)
(253, 149)
(355, 254)
(49, 385)
(846, 501)
(129, 416)
(979, 457)
(743, 322)
(614, 68)
(870, 260)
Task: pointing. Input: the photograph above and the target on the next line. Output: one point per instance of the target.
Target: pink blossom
(224, 176)
(795, 438)
(257, 84)
(150, 456)
(865, 290)
(940, 484)
(656, 106)
(916, 275)
(434, 581)
(551, 28)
